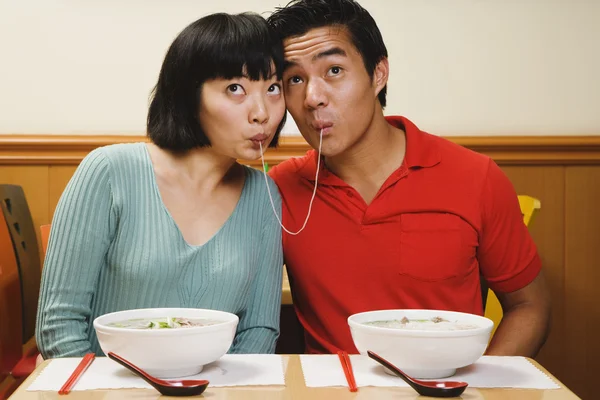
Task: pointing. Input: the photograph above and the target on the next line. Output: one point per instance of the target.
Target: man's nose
(315, 95)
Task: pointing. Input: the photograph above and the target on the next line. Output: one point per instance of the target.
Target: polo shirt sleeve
(273, 173)
(507, 255)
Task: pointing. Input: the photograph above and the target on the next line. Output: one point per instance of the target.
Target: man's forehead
(314, 40)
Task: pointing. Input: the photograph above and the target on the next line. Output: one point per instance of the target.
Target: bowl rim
(99, 325)
(486, 324)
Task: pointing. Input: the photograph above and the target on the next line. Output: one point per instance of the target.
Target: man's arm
(526, 321)
(511, 265)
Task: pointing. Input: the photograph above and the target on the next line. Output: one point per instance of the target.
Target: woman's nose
(258, 113)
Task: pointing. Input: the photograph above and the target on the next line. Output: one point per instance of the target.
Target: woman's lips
(258, 140)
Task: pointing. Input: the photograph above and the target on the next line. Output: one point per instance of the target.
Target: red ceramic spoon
(424, 388)
(168, 388)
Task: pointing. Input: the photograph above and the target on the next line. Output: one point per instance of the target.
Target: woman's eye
(235, 89)
(275, 88)
(334, 71)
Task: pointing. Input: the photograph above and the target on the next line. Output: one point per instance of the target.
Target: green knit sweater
(114, 246)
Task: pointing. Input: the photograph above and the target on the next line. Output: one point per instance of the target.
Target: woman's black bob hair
(216, 46)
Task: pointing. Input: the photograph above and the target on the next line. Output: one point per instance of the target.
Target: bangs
(238, 46)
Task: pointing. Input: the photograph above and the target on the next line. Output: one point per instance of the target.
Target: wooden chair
(14, 365)
(10, 305)
(17, 222)
(22, 232)
(493, 310)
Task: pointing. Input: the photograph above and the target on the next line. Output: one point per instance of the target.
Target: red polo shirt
(445, 216)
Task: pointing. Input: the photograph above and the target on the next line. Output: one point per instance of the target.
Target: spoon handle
(392, 368)
(131, 367)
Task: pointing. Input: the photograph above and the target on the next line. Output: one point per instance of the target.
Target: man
(401, 218)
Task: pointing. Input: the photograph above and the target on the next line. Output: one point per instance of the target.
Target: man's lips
(319, 124)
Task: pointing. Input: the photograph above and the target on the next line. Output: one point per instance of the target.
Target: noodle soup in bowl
(425, 344)
(167, 342)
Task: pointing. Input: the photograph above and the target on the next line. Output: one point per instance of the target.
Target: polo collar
(421, 152)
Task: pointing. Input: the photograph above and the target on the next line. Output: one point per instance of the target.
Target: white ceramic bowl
(422, 353)
(168, 353)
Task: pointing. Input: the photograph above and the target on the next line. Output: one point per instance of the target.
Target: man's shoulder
(457, 153)
(427, 149)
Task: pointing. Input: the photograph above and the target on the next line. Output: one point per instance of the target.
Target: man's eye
(294, 80)
(334, 71)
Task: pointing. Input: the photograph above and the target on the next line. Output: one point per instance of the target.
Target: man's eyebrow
(335, 51)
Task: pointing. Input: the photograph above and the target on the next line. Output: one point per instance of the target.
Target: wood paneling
(582, 277)
(563, 172)
(53, 149)
(58, 177)
(506, 150)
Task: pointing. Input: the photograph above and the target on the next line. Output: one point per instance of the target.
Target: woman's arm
(258, 329)
(81, 232)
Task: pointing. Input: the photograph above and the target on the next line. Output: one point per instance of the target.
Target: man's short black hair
(300, 16)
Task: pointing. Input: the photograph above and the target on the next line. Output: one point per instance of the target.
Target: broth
(163, 323)
(431, 324)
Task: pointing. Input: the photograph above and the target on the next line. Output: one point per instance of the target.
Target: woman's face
(238, 115)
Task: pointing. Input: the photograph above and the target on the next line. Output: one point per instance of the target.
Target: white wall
(458, 67)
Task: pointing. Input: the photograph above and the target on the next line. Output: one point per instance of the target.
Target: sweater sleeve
(258, 329)
(80, 236)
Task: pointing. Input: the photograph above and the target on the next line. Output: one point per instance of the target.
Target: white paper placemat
(104, 373)
(487, 372)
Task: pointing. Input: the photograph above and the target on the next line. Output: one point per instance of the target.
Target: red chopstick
(83, 365)
(347, 367)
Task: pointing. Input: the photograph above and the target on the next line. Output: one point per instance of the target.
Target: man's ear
(380, 75)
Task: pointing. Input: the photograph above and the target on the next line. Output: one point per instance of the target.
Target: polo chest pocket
(436, 246)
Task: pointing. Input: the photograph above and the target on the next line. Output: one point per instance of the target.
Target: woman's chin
(249, 155)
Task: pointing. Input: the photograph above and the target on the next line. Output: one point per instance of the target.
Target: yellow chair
(493, 309)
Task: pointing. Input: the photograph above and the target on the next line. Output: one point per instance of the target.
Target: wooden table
(286, 293)
(295, 389)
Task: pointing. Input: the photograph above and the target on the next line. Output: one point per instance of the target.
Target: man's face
(327, 87)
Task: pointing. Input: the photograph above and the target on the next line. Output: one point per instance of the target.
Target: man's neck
(367, 164)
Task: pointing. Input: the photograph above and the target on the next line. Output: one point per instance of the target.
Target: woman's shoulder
(115, 164)
(261, 196)
(118, 157)
(122, 153)
(257, 180)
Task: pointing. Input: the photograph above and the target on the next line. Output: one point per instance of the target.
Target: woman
(177, 222)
